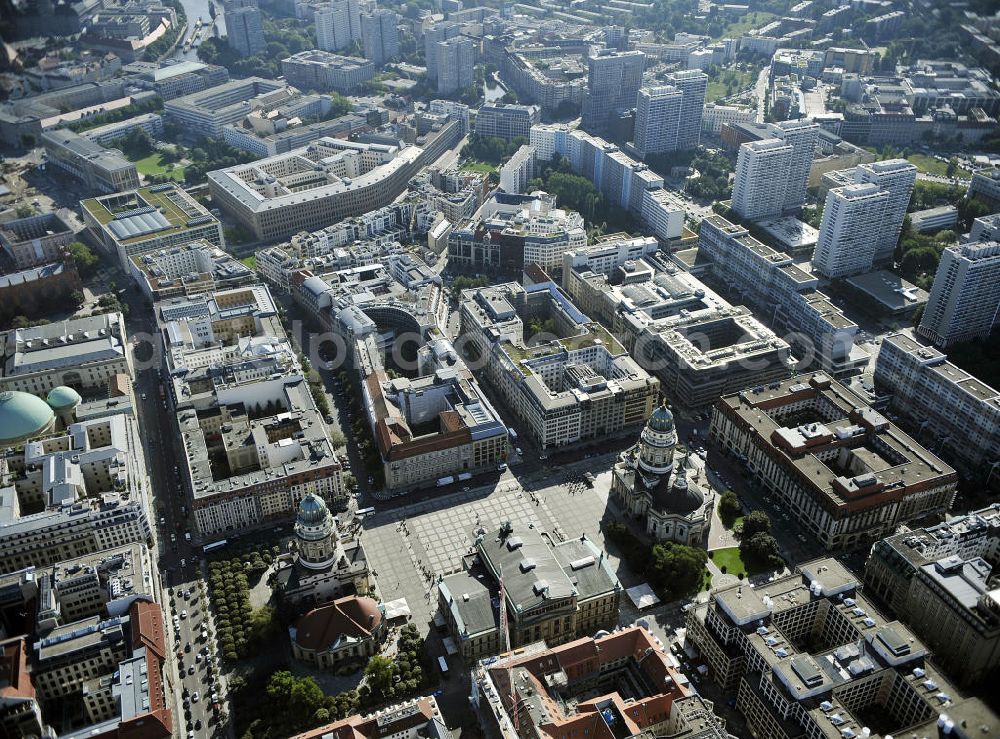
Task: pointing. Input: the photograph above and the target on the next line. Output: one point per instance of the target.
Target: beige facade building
(577, 386)
(100, 169)
(808, 655)
(553, 593)
(940, 581)
(846, 473)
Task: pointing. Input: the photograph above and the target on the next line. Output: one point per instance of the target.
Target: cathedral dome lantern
(315, 533)
(657, 442)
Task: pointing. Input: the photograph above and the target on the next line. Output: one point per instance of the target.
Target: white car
(184, 614)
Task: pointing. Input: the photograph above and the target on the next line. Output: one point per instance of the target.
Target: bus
(443, 666)
(213, 546)
(364, 512)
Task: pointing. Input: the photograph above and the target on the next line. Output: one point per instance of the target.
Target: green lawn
(729, 558)
(250, 261)
(750, 20)
(152, 165)
(930, 165)
(476, 166)
(717, 88)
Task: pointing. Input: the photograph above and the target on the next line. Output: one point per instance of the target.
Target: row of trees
(672, 570)
(240, 627)
(394, 679)
(282, 37)
(492, 149)
(285, 704)
(578, 193)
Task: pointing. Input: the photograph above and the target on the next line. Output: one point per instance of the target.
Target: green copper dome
(22, 416)
(63, 397)
(312, 510)
(662, 420)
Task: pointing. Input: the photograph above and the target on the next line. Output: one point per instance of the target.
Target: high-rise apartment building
(693, 84)
(657, 119)
(456, 60)
(432, 37)
(802, 136)
(965, 298)
(338, 25)
(761, 177)
(613, 83)
(507, 121)
(245, 30)
(851, 216)
(380, 35)
(896, 177)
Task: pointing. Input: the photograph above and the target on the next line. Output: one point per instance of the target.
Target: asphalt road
(180, 564)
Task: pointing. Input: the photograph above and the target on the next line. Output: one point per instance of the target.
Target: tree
(761, 551)
(755, 522)
(676, 570)
(729, 507)
(86, 261)
(378, 674)
(76, 298)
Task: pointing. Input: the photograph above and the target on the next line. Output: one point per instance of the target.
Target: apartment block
(380, 36)
(698, 345)
(658, 119)
(151, 218)
(939, 581)
(964, 303)
(577, 385)
(897, 177)
(769, 281)
(338, 24)
(846, 473)
(762, 174)
(944, 403)
(613, 81)
(432, 37)
(518, 171)
(808, 654)
(245, 29)
(850, 216)
(456, 59)
(693, 84)
(802, 136)
(98, 168)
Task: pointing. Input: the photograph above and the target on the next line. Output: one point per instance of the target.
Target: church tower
(657, 442)
(316, 534)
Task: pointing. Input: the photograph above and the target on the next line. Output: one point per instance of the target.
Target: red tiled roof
(352, 616)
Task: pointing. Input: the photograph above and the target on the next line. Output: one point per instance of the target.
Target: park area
(154, 165)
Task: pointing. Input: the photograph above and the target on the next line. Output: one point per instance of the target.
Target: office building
(939, 581)
(658, 488)
(554, 592)
(549, 77)
(240, 395)
(693, 84)
(432, 37)
(808, 654)
(205, 113)
(769, 281)
(613, 81)
(518, 171)
(174, 79)
(323, 71)
(35, 240)
(151, 123)
(81, 353)
(188, 270)
(658, 119)
(149, 219)
(419, 718)
(86, 484)
(715, 116)
(456, 60)
(99, 169)
(20, 711)
(984, 228)
(107, 582)
(380, 36)
(245, 29)
(947, 406)
(932, 220)
(507, 121)
(801, 135)
(585, 688)
(512, 231)
(338, 25)
(965, 299)
(848, 475)
(575, 387)
(896, 177)
(268, 133)
(762, 175)
(698, 345)
(850, 216)
(309, 188)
